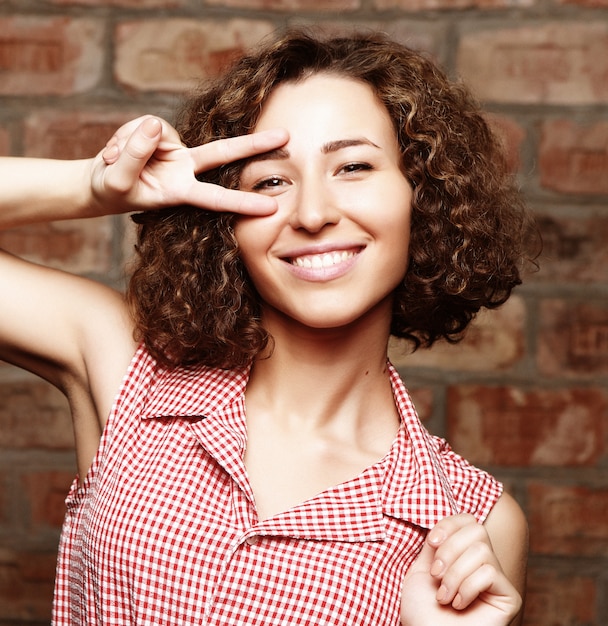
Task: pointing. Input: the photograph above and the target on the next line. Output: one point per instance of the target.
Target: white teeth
(318, 261)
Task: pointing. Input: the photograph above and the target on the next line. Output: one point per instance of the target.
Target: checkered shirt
(164, 528)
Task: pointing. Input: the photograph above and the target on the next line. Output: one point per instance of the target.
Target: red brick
(34, 415)
(26, 585)
(594, 4)
(78, 246)
(568, 521)
(46, 493)
(4, 498)
(71, 134)
(422, 397)
(55, 55)
(289, 5)
(573, 338)
(5, 148)
(175, 54)
(494, 341)
(555, 63)
(554, 598)
(574, 158)
(136, 4)
(574, 249)
(429, 38)
(512, 136)
(430, 5)
(515, 427)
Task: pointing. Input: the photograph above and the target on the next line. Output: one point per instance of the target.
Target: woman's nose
(314, 208)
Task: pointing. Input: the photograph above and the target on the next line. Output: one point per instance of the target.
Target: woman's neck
(317, 377)
(320, 410)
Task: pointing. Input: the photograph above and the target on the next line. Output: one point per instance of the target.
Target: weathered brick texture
(526, 391)
(5, 146)
(555, 63)
(33, 415)
(174, 55)
(425, 5)
(55, 55)
(123, 4)
(73, 134)
(511, 426)
(574, 249)
(568, 520)
(573, 338)
(45, 491)
(573, 158)
(594, 4)
(512, 136)
(82, 246)
(560, 599)
(290, 5)
(26, 585)
(495, 341)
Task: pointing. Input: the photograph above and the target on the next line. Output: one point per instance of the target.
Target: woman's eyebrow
(339, 144)
(280, 154)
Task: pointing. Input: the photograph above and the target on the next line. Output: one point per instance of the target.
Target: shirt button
(252, 541)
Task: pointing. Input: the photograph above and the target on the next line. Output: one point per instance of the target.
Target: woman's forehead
(322, 96)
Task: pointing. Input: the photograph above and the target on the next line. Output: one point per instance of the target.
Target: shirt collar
(415, 487)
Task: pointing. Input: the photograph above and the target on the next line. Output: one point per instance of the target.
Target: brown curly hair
(192, 298)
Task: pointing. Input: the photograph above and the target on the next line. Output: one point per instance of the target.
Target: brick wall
(526, 395)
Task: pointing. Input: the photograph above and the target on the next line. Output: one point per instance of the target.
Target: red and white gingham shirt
(164, 528)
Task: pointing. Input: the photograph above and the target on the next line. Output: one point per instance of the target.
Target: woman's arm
(508, 531)
(73, 332)
(46, 317)
(469, 574)
(41, 190)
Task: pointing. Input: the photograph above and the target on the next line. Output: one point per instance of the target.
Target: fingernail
(437, 567)
(457, 603)
(110, 153)
(151, 127)
(442, 594)
(436, 537)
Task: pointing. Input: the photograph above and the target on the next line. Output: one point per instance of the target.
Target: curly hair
(191, 295)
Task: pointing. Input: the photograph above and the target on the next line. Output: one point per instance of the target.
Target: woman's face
(338, 245)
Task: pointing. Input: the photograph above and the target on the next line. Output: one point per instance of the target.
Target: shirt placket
(223, 436)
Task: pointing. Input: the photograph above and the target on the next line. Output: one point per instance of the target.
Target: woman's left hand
(457, 579)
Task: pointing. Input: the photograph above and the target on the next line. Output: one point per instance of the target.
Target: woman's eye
(272, 182)
(353, 168)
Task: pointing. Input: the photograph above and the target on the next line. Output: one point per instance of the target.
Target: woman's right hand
(145, 166)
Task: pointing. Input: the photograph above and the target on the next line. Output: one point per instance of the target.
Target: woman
(261, 462)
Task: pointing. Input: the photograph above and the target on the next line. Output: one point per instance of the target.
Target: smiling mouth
(320, 261)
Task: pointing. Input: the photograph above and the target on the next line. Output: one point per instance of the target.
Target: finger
(492, 587)
(111, 152)
(452, 537)
(448, 527)
(223, 151)
(477, 557)
(217, 198)
(131, 160)
(116, 143)
(482, 579)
